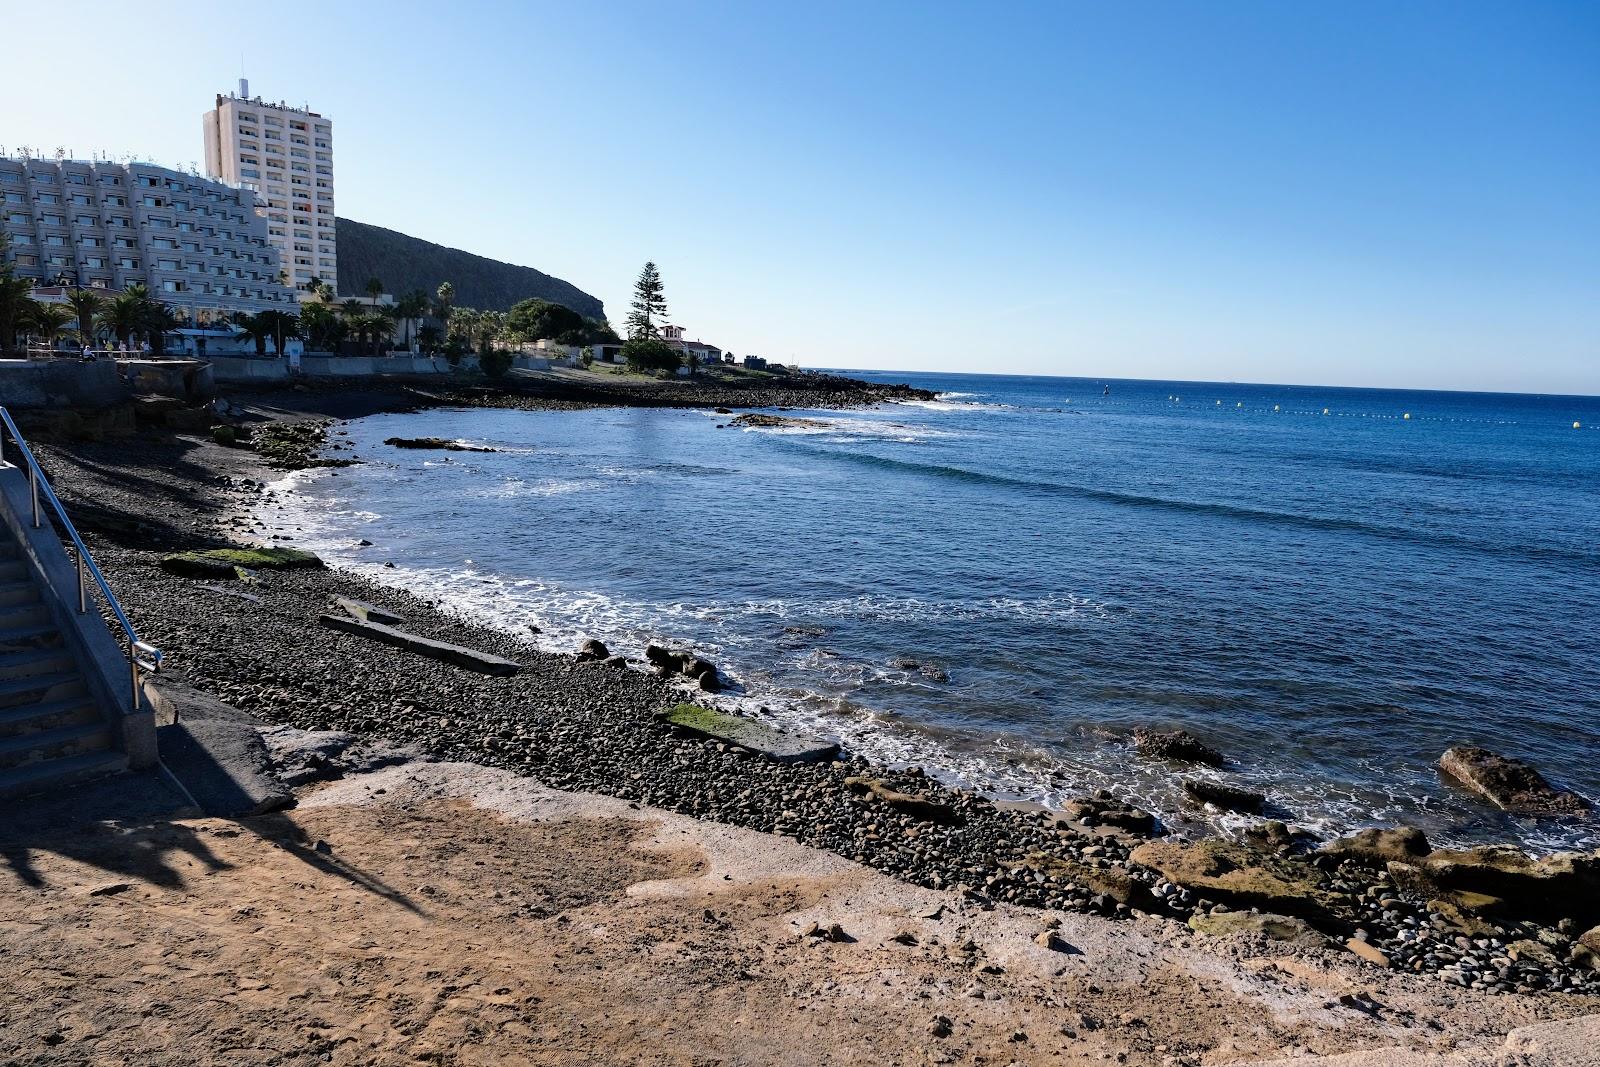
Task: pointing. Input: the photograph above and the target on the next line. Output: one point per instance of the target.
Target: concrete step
(14, 570)
(16, 594)
(52, 660)
(25, 638)
(40, 688)
(32, 778)
(46, 716)
(66, 743)
(8, 548)
(23, 616)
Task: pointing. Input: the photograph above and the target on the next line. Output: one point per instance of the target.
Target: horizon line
(1207, 381)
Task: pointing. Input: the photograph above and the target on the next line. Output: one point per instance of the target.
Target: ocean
(1331, 585)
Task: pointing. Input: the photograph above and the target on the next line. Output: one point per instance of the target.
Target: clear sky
(1356, 194)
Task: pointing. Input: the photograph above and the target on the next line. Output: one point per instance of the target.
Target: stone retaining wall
(60, 383)
(240, 368)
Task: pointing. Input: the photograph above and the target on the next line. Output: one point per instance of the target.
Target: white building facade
(285, 154)
(197, 244)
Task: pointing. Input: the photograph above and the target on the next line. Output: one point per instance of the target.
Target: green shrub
(650, 354)
(495, 362)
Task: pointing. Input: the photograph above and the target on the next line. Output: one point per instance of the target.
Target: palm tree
(86, 306)
(158, 322)
(125, 314)
(46, 321)
(322, 327)
(14, 301)
(428, 338)
(375, 327)
(411, 307)
(463, 324)
(258, 328)
(280, 327)
(491, 325)
(354, 312)
(374, 289)
(447, 299)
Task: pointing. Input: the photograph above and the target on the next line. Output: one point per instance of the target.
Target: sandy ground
(446, 913)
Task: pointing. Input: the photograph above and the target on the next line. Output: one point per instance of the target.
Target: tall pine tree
(649, 305)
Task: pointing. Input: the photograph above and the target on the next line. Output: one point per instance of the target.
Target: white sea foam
(516, 488)
(840, 428)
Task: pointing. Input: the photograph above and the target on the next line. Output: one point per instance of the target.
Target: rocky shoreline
(1483, 918)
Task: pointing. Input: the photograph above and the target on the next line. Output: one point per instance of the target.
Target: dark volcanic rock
(436, 443)
(1227, 797)
(777, 422)
(593, 648)
(1179, 746)
(1510, 784)
(1104, 809)
(666, 660)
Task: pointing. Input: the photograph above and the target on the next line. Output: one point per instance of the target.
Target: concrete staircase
(52, 729)
(73, 698)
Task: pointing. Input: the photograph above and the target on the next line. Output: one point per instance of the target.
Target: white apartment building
(286, 156)
(197, 244)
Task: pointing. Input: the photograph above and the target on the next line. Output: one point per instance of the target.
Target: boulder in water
(1179, 746)
(593, 648)
(1510, 784)
(1226, 797)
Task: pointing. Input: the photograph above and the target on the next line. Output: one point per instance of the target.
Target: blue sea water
(1330, 591)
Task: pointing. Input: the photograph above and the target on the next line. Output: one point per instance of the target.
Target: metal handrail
(142, 656)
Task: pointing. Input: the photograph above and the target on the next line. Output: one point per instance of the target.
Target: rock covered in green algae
(227, 562)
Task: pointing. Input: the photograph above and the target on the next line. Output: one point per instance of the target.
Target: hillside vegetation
(405, 264)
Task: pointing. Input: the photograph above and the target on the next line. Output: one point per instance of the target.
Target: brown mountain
(404, 264)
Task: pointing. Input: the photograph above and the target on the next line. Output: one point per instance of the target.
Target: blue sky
(1354, 194)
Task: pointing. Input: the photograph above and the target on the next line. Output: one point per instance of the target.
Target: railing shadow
(134, 828)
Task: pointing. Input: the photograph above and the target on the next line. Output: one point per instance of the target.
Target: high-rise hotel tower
(286, 156)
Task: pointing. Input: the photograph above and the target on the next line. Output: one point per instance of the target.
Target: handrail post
(33, 488)
(133, 673)
(83, 585)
